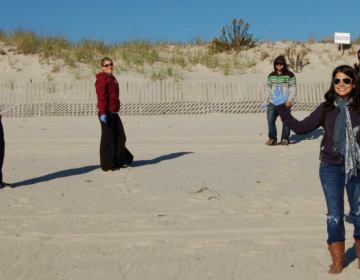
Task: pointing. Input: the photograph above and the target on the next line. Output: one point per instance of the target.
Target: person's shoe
(6, 185)
(284, 142)
(271, 143)
(337, 251)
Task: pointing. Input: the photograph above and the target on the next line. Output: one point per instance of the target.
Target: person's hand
(288, 104)
(278, 96)
(264, 107)
(103, 118)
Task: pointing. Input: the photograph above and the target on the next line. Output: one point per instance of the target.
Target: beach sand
(204, 199)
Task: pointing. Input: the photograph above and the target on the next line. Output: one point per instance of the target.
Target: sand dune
(322, 58)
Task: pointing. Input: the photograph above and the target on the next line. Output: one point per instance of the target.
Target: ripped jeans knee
(331, 218)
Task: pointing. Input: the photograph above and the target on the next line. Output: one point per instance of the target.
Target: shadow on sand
(139, 163)
(350, 255)
(86, 169)
(294, 139)
(56, 175)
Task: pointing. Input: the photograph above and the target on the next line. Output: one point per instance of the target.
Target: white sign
(342, 38)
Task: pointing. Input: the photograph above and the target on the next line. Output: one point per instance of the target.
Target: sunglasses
(107, 65)
(279, 63)
(346, 81)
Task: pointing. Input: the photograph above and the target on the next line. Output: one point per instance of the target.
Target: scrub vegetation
(296, 58)
(234, 37)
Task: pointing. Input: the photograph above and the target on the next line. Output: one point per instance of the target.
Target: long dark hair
(331, 94)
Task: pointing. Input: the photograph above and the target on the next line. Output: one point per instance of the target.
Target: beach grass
(154, 60)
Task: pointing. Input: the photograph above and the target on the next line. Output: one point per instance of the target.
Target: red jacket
(107, 90)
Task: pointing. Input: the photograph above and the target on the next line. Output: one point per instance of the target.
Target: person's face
(108, 67)
(342, 85)
(279, 66)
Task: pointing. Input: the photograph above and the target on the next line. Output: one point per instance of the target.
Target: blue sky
(180, 21)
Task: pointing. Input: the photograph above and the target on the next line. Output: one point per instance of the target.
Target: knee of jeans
(334, 219)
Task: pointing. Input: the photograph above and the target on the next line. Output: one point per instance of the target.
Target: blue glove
(264, 107)
(103, 118)
(278, 97)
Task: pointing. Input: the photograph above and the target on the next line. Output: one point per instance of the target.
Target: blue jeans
(272, 115)
(333, 182)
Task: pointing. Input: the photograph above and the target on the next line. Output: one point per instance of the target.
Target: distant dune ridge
(144, 61)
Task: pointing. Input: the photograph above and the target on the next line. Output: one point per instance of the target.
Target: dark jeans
(2, 150)
(333, 182)
(272, 115)
(113, 152)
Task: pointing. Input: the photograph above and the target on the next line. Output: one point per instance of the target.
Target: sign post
(342, 38)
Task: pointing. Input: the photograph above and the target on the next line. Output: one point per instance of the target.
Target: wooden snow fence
(147, 98)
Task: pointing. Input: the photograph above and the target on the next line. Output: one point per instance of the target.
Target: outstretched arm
(307, 125)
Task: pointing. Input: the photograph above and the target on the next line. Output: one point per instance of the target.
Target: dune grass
(356, 40)
(154, 60)
(159, 60)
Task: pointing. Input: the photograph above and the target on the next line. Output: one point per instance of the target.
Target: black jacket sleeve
(307, 125)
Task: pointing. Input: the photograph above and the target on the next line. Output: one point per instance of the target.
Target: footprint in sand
(53, 211)
(145, 243)
(23, 202)
(112, 186)
(131, 191)
(228, 211)
(33, 236)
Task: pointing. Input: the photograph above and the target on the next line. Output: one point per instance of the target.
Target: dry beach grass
(25, 55)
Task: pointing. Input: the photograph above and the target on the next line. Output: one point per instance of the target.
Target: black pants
(113, 152)
(2, 150)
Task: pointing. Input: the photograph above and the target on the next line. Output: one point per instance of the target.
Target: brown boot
(337, 251)
(357, 245)
(271, 143)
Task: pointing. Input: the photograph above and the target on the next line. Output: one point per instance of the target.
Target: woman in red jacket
(339, 168)
(113, 152)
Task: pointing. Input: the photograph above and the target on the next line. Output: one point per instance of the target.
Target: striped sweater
(286, 79)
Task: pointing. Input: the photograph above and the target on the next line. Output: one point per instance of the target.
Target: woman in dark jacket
(339, 115)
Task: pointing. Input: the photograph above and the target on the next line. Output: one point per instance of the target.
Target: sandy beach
(204, 199)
